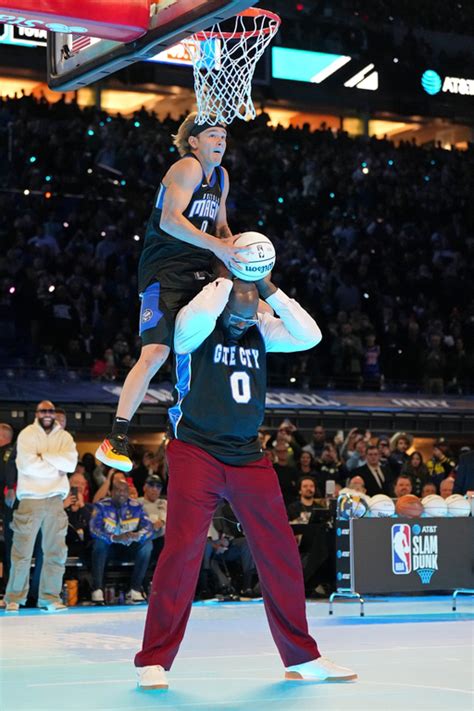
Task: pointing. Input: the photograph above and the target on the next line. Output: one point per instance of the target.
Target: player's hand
(265, 286)
(230, 255)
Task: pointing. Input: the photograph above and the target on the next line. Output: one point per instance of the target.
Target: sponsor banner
(394, 555)
(14, 389)
(343, 555)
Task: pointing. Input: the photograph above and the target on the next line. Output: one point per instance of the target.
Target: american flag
(80, 42)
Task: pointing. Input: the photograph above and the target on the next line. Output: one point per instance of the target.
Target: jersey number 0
(240, 386)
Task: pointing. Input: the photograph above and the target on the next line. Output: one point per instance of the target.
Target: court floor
(410, 653)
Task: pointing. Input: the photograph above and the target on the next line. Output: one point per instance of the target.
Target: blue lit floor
(410, 653)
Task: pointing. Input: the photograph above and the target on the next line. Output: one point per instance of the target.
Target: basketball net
(224, 59)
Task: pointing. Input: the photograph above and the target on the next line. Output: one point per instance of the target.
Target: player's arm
(180, 183)
(196, 321)
(295, 330)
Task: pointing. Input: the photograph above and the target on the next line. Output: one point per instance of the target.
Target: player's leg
(254, 494)
(196, 483)
(157, 316)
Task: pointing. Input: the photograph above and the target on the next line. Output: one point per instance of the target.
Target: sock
(120, 426)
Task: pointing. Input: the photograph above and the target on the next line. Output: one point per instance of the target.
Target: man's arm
(196, 321)
(29, 459)
(181, 181)
(96, 525)
(295, 330)
(66, 456)
(222, 228)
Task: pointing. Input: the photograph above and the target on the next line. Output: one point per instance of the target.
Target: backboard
(76, 60)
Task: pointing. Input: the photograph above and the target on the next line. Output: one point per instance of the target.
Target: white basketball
(458, 506)
(434, 505)
(381, 506)
(260, 258)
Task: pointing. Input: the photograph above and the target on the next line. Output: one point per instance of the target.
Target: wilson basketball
(381, 506)
(434, 505)
(409, 506)
(458, 506)
(260, 258)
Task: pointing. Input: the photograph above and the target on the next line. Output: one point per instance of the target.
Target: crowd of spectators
(381, 28)
(114, 518)
(375, 240)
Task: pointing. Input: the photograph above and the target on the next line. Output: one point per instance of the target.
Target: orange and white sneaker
(114, 452)
(320, 669)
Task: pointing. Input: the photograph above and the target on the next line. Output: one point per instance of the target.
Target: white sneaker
(12, 607)
(152, 677)
(135, 597)
(321, 669)
(52, 607)
(97, 596)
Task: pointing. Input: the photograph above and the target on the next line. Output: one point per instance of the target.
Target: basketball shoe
(115, 453)
(320, 669)
(153, 677)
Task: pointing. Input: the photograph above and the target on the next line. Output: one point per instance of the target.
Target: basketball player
(221, 344)
(187, 226)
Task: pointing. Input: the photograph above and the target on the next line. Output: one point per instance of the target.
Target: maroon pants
(197, 482)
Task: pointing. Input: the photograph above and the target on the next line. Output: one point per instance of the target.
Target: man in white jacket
(45, 453)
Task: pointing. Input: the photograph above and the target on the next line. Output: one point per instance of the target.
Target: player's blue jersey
(171, 261)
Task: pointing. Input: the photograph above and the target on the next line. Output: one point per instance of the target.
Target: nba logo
(401, 549)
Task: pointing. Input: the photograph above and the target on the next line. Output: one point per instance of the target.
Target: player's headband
(199, 128)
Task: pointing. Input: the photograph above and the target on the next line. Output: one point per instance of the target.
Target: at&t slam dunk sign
(415, 549)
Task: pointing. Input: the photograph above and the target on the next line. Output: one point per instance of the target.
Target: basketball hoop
(224, 59)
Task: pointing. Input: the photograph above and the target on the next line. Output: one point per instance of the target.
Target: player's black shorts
(159, 308)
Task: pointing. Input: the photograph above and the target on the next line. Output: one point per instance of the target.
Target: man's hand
(265, 287)
(123, 538)
(158, 524)
(228, 254)
(221, 270)
(10, 497)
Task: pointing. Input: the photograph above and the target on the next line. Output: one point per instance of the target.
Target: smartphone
(129, 481)
(74, 491)
(330, 487)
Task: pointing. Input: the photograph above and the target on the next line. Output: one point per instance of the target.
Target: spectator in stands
(306, 464)
(383, 444)
(465, 474)
(78, 511)
(232, 547)
(357, 483)
(287, 474)
(441, 464)
(301, 509)
(121, 530)
(446, 487)
(316, 446)
(105, 490)
(376, 476)
(358, 457)
(347, 353)
(155, 508)
(329, 468)
(45, 453)
(402, 486)
(61, 417)
(399, 444)
(417, 469)
(428, 489)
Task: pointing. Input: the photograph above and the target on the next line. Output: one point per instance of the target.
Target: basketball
(409, 506)
(261, 256)
(381, 506)
(458, 506)
(434, 505)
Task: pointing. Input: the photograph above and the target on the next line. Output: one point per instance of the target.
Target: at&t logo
(431, 82)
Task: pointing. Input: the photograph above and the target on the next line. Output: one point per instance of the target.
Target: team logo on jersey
(208, 206)
(401, 549)
(147, 315)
